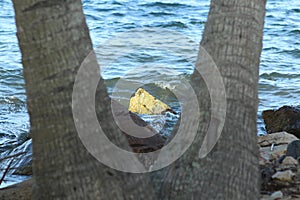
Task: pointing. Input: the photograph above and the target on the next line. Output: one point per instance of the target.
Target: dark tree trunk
(233, 38)
(54, 41)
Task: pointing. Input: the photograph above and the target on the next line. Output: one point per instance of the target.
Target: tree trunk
(233, 38)
(54, 41)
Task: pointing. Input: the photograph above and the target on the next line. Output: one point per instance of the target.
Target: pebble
(286, 176)
(289, 160)
(277, 195)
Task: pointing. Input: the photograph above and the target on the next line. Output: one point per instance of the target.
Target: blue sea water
(120, 23)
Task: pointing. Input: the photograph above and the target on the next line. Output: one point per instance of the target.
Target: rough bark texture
(233, 38)
(54, 40)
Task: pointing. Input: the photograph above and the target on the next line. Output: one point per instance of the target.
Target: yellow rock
(144, 103)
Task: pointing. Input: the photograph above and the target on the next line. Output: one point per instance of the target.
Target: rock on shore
(144, 103)
(286, 118)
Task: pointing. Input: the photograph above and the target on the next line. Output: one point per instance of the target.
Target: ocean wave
(175, 24)
(164, 5)
(159, 14)
(293, 52)
(271, 49)
(296, 10)
(276, 75)
(295, 31)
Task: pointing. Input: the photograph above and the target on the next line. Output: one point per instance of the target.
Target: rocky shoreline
(279, 166)
(280, 154)
(279, 159)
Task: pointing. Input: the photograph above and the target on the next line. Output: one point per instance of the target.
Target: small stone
(276, 195)
(286, 176)
(195, 164)
(289, 160)
(263, 161)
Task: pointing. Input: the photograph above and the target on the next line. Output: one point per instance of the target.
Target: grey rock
(276, 139)
(285, 176)
(289, 160)
(293, 149)
(277, 195)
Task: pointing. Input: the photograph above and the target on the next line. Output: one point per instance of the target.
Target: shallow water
(157, 67)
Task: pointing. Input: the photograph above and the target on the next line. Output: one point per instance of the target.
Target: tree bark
(54, 41)
(233, 38)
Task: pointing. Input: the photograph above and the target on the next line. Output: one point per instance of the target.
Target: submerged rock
(286, 118)
(144, 103)
(148, 139)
